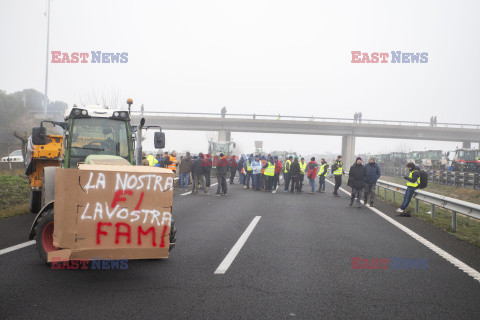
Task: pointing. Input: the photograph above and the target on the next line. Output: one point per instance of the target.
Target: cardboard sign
(112, 212)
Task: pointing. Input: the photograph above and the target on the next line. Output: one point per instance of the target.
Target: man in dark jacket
(295, 175)
(413, 180)
(198, 175)
(207, 169)
(185, 168)
(372, 174)
(233, 168)
(222, 169)
(356, 180)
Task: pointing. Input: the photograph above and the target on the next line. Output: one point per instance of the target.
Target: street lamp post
(45, 98)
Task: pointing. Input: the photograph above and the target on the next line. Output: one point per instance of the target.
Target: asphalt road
(296, 263)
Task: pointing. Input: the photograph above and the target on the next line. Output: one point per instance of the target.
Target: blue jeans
(256, 180)
(248, 177)
(321, 183)
(312, 184)
(408, 196)
(184, 179)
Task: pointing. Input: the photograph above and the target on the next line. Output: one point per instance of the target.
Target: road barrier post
(433, 212)
(454, 221)
(417, 203)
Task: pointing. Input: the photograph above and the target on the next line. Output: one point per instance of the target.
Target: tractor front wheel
(44, 235)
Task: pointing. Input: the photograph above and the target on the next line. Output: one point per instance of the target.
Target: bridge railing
(306, 118)
(435, 200)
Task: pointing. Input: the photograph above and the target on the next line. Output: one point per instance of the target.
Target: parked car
(15, 156)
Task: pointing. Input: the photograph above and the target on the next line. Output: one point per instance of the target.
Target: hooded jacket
(372, 173)
(356, 176)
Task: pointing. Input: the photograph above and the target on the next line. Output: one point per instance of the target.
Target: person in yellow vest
(413, 180)
(286, 173)
(151, 160)
(322, 173)
(171, 161)
(301, 177)
(248, 172)
(269, 173)
(337, 170)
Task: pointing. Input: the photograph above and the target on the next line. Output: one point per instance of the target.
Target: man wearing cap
(356, 180)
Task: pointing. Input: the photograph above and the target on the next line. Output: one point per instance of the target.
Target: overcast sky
(269, 57)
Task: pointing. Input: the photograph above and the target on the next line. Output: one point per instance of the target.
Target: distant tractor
(466, 160)
(416, 157)
(434, 160)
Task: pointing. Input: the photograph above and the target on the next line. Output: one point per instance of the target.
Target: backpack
(423, 179)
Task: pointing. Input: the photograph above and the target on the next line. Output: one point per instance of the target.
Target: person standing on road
(337, 171)
(312, 168)
(287, 174)
(256, 173)
(198, 175)
(185, 168)
(359, 117)
(207, 170)
(303, 168)
(372, 174)
(322, 173)
(222, 169)
(294, 176)
(171, 161)
(413, 180)
(355, 117)
(269, 174)
(248, 170)
(356, 180)
(278, 169)
(224, 112)
(233, 168)
(240, 169)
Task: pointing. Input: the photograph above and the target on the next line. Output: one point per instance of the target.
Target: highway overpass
(344, 127)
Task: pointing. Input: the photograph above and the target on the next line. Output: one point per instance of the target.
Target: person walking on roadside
(322, 173)
(303, 168)
(256, 173)
(372, 174)
(413, 180)
(294, 176)
(249, 172)
(198, 171)
(222, 169)
(287, 174)
(312, 169)
(337, 171)
(207, 170)
(233, 168)
(185, 168)
(278, 169)
(356, 180)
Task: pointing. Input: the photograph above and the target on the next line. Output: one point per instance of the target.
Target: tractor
(91, 135)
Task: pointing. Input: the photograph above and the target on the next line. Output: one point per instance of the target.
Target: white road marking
(16, 247)
(191, 191)
(223, 267)
(442, 253)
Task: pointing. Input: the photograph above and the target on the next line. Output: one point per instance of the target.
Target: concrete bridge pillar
(467, 145)
(348, 151)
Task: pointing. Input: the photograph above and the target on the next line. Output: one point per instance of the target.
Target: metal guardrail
(435, 200)
(306, 118)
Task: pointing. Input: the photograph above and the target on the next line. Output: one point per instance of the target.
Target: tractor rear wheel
(44, 235)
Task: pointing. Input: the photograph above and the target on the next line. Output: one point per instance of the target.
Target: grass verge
(14, 195)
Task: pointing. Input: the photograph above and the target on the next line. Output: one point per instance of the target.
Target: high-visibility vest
(303, 167)
(151, 160)
(288, 164)
(270, 170)
(249, 165)
(339, 170)
(172, 166)
(322, 170)
(413, 184)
